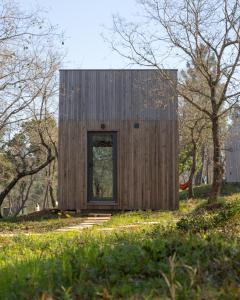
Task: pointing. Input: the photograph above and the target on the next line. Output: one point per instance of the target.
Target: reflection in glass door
(102, 164)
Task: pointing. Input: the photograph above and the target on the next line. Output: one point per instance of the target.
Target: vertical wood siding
(232, 154)
(147, 156)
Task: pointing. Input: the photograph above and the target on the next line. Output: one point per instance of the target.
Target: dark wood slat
(147, 156)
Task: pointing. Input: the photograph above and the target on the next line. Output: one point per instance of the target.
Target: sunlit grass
(120, 264)
(199, 260)
(39, 225)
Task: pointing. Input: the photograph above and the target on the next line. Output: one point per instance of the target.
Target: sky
(83, 22)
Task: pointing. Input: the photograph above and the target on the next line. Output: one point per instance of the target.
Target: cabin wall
(232, 154)
(147, 174)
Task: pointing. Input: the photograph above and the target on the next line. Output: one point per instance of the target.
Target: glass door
(102, 166)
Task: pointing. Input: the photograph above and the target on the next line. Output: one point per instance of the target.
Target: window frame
(90, 198)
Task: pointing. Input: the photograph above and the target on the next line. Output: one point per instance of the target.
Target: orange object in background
(184, 186)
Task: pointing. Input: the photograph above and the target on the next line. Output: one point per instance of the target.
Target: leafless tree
(194, 31)
(26, 40)
(28, 86)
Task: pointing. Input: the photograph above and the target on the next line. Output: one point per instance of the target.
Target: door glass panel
(101, 166)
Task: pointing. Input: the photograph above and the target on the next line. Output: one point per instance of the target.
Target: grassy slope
(48, 222)
(167, 261)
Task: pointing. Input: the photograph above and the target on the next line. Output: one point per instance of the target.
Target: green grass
(125, 265)
(203, 191)
(203, 219)
(46, 223)
(165, 218)
(137, 217)
(192, 254)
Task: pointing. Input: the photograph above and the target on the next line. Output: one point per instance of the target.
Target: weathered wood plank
(147, 175)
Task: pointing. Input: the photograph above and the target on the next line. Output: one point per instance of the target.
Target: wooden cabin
(118, 140)
(232, 153)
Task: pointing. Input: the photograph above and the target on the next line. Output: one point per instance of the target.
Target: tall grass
(151, 261)
(196, 259)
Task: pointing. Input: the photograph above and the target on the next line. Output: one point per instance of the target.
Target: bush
(208, 220)
(152, 263)
(203, 191)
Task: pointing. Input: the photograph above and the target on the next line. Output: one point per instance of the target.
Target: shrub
(208, 220)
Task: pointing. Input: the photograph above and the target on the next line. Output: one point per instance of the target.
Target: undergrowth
(149, 263)
(191, 254)
(208, 219)
(39, 225)
(203, 191)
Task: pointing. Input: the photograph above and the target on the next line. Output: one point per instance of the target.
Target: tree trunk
(54, 204)
(51, 179)
(199, 175)
(9, 187)
(24, 198)
(19, 176)
(217, 162)
(207, 169)
(192, 172)
(45, 197)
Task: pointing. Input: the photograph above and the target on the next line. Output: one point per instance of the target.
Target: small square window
(136, 125)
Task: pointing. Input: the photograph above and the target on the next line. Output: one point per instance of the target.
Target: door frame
(102, 201)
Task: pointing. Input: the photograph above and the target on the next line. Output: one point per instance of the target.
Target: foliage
(203, 191)
(23, 153)
(212, 219)
(47, 223)
(185, 160)
(25, 148)
(146, 262)
(28, 87)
